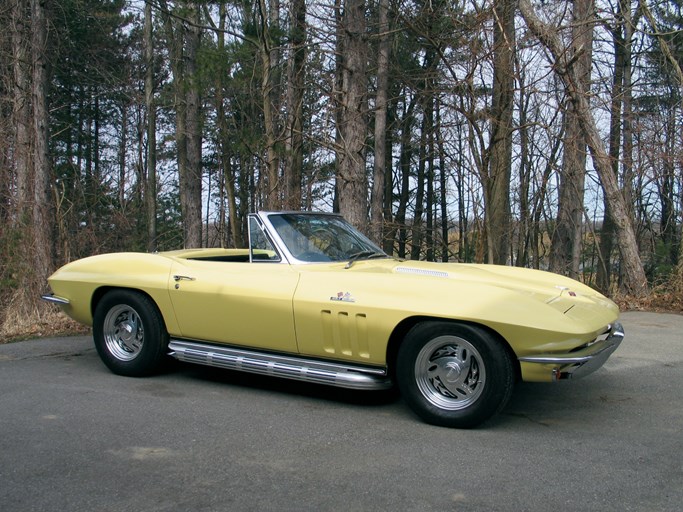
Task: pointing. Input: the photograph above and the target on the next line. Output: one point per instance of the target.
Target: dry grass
(657, 301)
(665, 298)
(22, 319)
(53, 323)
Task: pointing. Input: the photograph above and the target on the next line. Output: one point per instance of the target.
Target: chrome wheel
(449, 372)
(129, 333)
(454, 374)
(123, 332)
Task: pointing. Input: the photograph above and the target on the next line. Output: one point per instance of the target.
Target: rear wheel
(454, 375)
(129, 333)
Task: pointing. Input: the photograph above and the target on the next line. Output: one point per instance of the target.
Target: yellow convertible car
(313, 299)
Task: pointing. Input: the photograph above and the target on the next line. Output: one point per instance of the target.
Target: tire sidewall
(155, 340)
(497, 365)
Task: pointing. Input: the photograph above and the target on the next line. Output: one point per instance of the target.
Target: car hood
(563, 294)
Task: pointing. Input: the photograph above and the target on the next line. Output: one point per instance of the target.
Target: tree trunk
(272, 199)
(295, 98)
(463, 219)
(442, 184)
(565, 250)
(191, 196)
(621, 91)
(381, 99)
(497, 185)
(43, 220)
(183, 43)
(406, 156)
(150, 107)
(416, 239)
(525, 175)
(123, 147)
(351, 179)
(21, 109)
(224, 141)
(426, 158)
(635, 281)
(429, 178)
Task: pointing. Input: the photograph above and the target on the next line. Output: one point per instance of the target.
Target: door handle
(177, 278)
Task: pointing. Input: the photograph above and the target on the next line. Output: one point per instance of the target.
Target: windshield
(318, 238)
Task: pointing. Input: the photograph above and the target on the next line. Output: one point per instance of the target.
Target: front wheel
(454, 375)
(129, 333)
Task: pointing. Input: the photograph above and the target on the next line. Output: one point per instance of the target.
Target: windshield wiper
(364, 255)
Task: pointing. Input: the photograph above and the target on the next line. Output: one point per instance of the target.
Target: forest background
(544, 134)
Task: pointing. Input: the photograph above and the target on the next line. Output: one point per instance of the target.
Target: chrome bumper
(51, 297)
(581, 362)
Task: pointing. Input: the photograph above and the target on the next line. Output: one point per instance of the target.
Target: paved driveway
(74, 437)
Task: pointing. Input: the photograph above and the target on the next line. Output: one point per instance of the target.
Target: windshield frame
(282, 227)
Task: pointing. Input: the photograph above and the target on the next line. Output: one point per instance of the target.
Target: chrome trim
(584, 361)
(268, 232)
(421, 271)
(265, 224)
(287, 367)
(51, 297)
(264, 219)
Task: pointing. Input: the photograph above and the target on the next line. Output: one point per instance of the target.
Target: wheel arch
(100, 292)
(129, 331)
(401, 330)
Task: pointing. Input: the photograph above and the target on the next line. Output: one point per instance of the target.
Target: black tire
(454, 375)
(129, 333)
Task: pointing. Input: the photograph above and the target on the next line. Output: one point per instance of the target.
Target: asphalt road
(74, 437)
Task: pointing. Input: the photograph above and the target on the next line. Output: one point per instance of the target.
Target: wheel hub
(123, 332)
(126, 331)
(449, 372)
(453, 372)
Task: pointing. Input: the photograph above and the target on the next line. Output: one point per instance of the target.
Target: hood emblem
(343, 297)
(566, 289)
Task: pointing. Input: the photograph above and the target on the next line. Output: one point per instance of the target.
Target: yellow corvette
(312, 299)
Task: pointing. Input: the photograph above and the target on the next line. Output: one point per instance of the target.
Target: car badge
(343, 297)
(566, 289)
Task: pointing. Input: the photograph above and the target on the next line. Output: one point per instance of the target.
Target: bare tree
(268, 22)
(406, 155)
(678, 72)
(183, 40)
(295, 96)
(565, 250)
(42, 212)
(497, 182)
(381, 99)
(21, 105)
(191, 180)
(635, 281)
(151, 184)
(224, 142)
(351, 179)
(621, 94)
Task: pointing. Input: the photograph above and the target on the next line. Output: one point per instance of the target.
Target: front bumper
(51, 297)
(552, 367)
